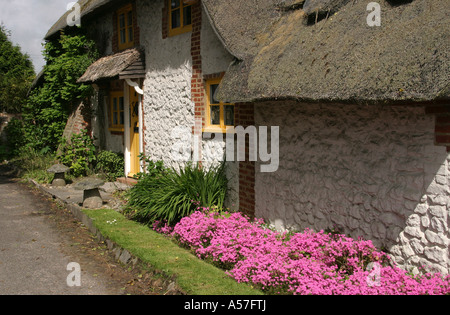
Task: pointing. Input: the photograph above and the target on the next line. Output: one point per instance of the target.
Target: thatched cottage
(363, 110)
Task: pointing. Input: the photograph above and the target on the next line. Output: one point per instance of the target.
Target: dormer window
(180, 16)
(219, 115)
(125, 27)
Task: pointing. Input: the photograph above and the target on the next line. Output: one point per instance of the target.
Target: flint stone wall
(169, 110)
(369, 171)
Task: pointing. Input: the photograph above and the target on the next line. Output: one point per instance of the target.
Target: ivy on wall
(49, 105)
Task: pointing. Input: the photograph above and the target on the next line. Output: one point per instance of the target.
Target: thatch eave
(113, 66)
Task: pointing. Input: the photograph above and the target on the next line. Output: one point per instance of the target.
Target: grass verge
(194, 276)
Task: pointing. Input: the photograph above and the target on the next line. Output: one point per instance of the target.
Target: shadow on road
(7, 174)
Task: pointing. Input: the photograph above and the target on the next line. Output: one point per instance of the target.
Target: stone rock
(435, 254)
(425, 221)
(92, 198)
(89, 184)
(59, 170)
(434, 238)
(413, 220)
(417, 246)
(94, 202)
(414, 232)
(125, 257)
(113, 187)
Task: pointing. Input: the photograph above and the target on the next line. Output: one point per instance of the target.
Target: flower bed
(300, 263)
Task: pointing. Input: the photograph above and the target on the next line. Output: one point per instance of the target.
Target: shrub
(33, 164)
(15, 136)
(79, 154)
(110, 164)
(297, 263)
(169, 195)
(49, 105)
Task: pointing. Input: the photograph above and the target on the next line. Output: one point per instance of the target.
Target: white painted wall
(168, 109)
(369, 171)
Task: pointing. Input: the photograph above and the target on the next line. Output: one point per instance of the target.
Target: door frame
(128, 134)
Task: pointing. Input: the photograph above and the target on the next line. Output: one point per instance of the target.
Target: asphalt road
(39, 240)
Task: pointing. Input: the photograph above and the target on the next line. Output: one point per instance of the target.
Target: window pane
(122, 20)
(130, 18)
(122, 118)
(114, 104)
(122, 106)
(212, 94)
(215, 115)
(229, 115)
(175, 4)
(122, 36)
(115, 119)
(187, 16)
(176, 19)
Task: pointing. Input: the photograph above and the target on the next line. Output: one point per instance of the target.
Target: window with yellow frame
(180, 16)
(117, 112)
(219, 115)
(125, 27)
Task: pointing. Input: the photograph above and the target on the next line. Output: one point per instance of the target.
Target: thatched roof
(88, 9)
(323, 50)
(129, 64)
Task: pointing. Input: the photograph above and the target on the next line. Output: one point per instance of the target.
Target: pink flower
(300, 263)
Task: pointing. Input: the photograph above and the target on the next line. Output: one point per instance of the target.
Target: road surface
(38, 241)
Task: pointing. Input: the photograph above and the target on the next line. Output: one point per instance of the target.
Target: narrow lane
(38, 241)
(31, 260)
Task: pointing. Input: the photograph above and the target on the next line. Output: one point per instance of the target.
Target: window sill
(180, 30)
(228, 129)
(117, 129)
(125, 46)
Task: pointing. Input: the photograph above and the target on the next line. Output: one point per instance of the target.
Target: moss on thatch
(340, 58)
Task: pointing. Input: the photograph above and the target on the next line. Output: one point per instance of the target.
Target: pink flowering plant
(296, 263)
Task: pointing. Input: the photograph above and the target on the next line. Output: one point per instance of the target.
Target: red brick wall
(165, 20)
(244, 113)
(79, 119)
(441, 111)
(197, 83)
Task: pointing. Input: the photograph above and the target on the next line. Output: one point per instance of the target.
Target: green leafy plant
(32, 164)
(14, 136)
(49, 105)
(79, 154)
(16, 74)
(170, 195)
(152, 168)
(110, 164)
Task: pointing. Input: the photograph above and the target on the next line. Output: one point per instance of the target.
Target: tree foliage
(16, 74)
(49, 105)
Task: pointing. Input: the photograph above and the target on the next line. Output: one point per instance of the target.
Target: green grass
(194, 276)
(33, 165)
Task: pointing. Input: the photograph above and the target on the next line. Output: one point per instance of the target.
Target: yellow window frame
(182, 28)
(116, 95)
(222, 128)
(127, 27)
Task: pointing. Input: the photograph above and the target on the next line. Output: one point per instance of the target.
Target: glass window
(117, 111)
(215, 115)
(221, 114)
(187, 16)
(180, 15)
(125, 25)
(213, 90)
(229, 115)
